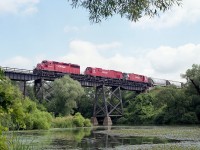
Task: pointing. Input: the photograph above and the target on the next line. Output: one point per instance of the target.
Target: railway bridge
(108, 99)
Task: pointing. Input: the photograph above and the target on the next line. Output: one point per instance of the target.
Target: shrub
(3, 145)
(87, 123)
(62, 122)
(122, 120)
(41, 120)
(78, 120)
(19, 113)
(71, 121)
(189, 118)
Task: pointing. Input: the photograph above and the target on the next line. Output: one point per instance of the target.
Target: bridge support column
(22, 86)
(24, 90)
(107, 121)
(108, 103)
(94, 121)
(42, 89)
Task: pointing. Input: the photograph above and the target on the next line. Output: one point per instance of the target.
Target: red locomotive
(99, 72)
(52, 67)
(135, 77)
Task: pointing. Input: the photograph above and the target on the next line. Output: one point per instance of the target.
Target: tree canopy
(65, 95)
(130, 9)
(193, 78)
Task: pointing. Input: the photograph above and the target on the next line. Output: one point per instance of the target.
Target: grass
(14, 142)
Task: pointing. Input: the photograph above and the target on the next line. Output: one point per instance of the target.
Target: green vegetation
(85, 105)
(19, 113)
(163, 105)
(132, 10)
(71, 121)
(166, 105)
(65, 96)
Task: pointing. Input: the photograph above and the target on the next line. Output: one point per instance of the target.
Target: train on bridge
(54, 68)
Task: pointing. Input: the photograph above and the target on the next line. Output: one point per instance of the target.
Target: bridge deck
(85, 80)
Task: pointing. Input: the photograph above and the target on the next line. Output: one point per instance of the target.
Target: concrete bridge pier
(107, 121)
(94, 121)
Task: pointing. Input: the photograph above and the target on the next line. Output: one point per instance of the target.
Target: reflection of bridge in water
(108, 99)
(99, 139)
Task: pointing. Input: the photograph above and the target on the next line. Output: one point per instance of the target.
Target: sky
(161, 47)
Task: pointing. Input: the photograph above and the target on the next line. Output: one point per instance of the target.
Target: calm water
(80, 138)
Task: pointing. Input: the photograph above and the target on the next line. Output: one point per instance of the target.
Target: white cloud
(163, 62)
(189, 12)
(22, 62)
(109, 46)
(18, 62)
(18, 6)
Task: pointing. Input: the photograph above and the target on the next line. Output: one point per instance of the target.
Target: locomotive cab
(88, 71)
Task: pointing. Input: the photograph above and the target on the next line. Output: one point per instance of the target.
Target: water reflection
(81, 138)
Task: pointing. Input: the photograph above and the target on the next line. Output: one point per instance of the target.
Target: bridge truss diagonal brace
(42, 89)
(108, 102)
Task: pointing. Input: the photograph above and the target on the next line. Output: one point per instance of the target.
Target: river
(114, 137)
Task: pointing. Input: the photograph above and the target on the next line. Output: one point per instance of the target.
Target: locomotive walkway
(108, 98)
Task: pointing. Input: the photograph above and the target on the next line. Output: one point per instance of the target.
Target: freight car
(175, 83)
(99, 72)
(157, 82)
(162, 82)
(53, 68)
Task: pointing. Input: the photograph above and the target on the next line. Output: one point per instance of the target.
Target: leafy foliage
(141, 110)
(3, 145)
(85, 106)
(66, 93)
(131, 9)
(193, 79)
(19, 113)
(71, 121)
(163, 106)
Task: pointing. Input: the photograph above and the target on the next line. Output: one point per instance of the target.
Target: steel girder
(42, 89)
(108, 101)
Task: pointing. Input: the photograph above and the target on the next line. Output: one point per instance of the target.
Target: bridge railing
(8, 69)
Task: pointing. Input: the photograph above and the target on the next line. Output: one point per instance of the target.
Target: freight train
(53, 68)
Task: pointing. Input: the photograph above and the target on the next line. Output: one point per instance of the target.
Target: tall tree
(85, 106)
(66, 93)
(193, 79)
(131, 9)
(5, 100)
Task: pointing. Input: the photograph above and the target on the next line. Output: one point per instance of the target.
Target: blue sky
(162, 47)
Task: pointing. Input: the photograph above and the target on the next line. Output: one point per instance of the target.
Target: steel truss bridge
(108, 98)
